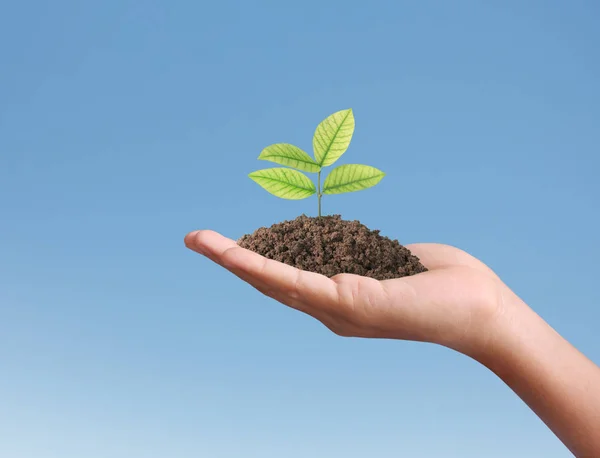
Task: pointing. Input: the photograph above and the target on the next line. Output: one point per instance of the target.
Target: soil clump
(329, 245)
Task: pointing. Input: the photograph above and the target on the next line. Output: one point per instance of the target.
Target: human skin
(459, 303)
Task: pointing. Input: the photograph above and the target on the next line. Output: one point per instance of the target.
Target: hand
(453, 304)
(459, 303)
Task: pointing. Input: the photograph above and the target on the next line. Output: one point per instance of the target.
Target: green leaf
(290, 155)
(285, 183)
(351, 177)
(332, 137)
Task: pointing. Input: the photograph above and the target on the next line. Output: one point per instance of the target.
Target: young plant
(331, 139)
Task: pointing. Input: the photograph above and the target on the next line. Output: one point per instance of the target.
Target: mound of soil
(330, 245)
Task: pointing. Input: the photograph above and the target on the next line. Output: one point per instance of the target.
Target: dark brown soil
(330, 245)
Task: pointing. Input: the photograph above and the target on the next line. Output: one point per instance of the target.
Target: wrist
(508, 336)
(496, 334)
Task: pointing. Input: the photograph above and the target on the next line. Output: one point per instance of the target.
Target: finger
(203, 242)
(197, 242)
(299, 289)
(439, 256)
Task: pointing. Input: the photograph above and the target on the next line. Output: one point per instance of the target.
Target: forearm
(558, 382)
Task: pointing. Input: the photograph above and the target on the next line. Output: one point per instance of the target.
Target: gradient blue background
(124, 125)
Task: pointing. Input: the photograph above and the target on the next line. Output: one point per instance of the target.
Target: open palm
(441, 305)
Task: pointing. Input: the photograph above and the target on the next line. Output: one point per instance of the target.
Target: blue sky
(124, 125)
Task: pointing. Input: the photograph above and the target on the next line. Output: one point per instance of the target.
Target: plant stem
(319, 191)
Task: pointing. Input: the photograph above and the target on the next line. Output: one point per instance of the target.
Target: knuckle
(263, 267)
(201, 238)
(346, 289)
(295, 290)
(228, 256)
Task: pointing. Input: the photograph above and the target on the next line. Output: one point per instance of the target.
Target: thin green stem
(319, 191)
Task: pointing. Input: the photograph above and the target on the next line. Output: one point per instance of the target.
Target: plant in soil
(328, 245)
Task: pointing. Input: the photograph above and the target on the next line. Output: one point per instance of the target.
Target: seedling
(331, 139)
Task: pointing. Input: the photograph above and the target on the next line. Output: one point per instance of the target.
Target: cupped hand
(454, 303)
